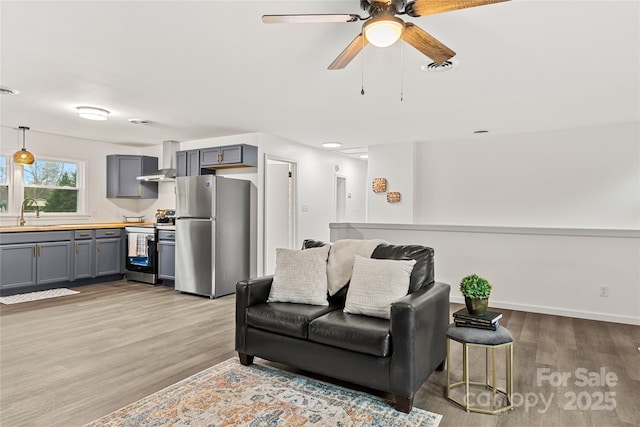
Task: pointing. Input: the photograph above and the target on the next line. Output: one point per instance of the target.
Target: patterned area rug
(230, 394)
(34, 296)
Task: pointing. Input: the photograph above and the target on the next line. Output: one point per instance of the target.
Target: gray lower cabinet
(166, 255)
(53, 262)
(109, 255)
(84, 254)
(17, 265)
(31, 264)
(31, 259)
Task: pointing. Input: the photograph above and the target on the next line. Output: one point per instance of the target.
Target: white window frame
(9, 185)
(16, 190)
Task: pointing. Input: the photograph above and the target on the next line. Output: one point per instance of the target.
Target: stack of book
(489, 320)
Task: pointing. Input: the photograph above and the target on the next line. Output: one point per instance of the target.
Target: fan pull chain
(362, 76)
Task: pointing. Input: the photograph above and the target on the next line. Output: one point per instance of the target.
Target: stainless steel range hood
(168, 163)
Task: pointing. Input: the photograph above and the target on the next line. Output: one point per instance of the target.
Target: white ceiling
(211, 68)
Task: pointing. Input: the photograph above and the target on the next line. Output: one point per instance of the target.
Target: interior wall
(395, 162)
(94, 155)
(585, 178)
(553, 271)
(315, 191)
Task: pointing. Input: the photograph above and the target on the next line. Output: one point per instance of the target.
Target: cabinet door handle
(219, 157)
(109, 233)
(77, 247)
(85, 234)
(35, 250)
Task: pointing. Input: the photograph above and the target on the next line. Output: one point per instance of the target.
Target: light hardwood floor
(67, 361)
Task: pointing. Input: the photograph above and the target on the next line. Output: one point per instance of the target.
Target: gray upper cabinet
(188, 163)
(241, 155)
(122, 171)
(181, 163)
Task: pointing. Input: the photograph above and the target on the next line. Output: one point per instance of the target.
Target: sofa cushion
(422, 275)
(284, 318)
(363, 334)
(300, 276)
(340, 262)
(375, 284)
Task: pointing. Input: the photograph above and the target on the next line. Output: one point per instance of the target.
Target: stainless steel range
(142, 254)
(142, 249)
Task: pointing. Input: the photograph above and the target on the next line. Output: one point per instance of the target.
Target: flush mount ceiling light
(332, 145)
(92, 113)
(383, 31)
(23, 157)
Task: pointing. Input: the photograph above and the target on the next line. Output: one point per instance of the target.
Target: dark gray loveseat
(395, 356)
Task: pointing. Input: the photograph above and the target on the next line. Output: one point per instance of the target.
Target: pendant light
(23, 157)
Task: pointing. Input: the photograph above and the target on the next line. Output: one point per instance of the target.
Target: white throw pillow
(340, 261)
(375, 284)
(300, 276)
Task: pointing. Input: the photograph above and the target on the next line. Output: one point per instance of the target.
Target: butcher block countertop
(57, 227)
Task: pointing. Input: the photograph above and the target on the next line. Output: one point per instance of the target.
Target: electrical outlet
(604, 291)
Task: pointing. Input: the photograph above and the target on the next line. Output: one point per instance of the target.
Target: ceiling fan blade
(349, 53)
(426, 43)
(309, 19)
(430, 7)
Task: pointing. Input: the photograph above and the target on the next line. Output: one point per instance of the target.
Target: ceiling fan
(383, 28)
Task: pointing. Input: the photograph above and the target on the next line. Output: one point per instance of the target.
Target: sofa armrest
(249, 292)
(419, 324)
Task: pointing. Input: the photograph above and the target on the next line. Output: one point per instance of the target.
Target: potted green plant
(476, 291)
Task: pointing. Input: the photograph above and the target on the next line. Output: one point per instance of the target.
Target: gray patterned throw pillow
(375, 284)
(300, 276)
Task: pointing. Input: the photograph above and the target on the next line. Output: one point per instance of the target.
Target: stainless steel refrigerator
(212, 234)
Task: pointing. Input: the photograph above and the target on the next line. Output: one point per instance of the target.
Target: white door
(279, 213)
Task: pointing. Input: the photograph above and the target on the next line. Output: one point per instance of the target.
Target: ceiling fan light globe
(383, 31)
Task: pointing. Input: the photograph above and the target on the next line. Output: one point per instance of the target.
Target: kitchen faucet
(27, 199)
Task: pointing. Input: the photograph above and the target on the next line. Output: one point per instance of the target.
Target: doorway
(341, 198)
(280, 178)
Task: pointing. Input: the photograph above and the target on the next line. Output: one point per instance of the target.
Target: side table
(491, 341)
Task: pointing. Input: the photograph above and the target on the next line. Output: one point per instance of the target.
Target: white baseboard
(605, 317)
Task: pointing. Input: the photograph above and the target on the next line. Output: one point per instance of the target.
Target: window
(4, 186)
(53, 185)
